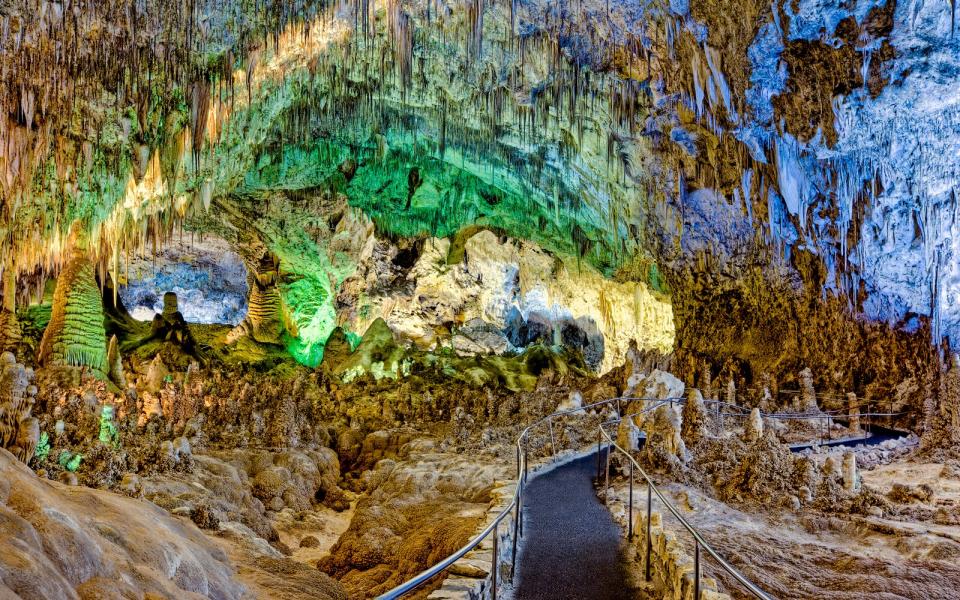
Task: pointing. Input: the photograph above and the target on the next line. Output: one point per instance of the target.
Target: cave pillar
(10, 334)
(808, 395)
(264, 321)
(75, 336)
(854, 412)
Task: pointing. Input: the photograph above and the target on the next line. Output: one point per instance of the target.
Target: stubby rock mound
(78, 543)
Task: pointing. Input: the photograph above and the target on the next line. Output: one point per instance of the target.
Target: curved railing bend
(699, 542)
(514, 510)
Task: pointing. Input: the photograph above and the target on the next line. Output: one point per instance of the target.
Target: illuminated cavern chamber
(398, 231)
(209, 279)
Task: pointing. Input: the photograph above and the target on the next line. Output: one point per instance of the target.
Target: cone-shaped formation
(75, 336)
(264, 321)
(694, 418)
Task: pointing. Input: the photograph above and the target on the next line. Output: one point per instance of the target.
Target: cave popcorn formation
(298, 274)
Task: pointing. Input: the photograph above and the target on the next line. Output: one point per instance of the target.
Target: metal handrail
(516, 508)
(698, 539)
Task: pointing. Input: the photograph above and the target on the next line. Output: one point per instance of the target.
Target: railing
(514, 511)
(698, 540)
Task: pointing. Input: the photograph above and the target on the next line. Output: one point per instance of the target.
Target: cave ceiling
(805, 149)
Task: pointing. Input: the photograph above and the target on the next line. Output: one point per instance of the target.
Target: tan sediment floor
(809, 554)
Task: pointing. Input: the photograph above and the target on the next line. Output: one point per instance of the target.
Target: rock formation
(853, 411)
(9, 326)
(851, 476)
(664, 446)
(264, 321)
(60, 548)
(75, 336)
(693, 418)
(753, 429)
(19, 430)
(808, 395)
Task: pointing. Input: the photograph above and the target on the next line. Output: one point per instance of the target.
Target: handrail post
(649, 511)
(520, 510)
(606, 477)
(696, 570)
(526, 465)
(630, 512)
(494, 564)
(518, 461)
(599, 454)
(516, 531)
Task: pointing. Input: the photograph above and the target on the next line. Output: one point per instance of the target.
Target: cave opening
(208, 277)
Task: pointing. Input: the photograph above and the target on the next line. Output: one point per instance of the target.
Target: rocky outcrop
(81, 543)
(501, 294)
(418, 511)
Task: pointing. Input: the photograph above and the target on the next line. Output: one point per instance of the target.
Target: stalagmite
(265, 321)
(9, 326)
(766, 401)
(628, 435)
(808, 396)
(694, 418)
(851, 476)
(731, 392)
(754, 427)
(663, 436)
(853, 411)
(19, 430)
(115, 364)
(75, 336)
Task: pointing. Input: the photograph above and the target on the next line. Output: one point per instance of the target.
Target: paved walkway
(571, 546)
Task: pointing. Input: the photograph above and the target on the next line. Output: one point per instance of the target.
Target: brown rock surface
(61, 542)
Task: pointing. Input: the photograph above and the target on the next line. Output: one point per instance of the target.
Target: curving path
(571, 547)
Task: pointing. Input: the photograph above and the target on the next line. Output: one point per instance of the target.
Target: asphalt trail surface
(571, 548)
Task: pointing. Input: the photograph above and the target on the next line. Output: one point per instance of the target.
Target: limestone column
(10, 334)
(264, 321)
(851, 477)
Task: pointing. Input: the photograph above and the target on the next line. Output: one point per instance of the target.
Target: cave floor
(809, 554)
